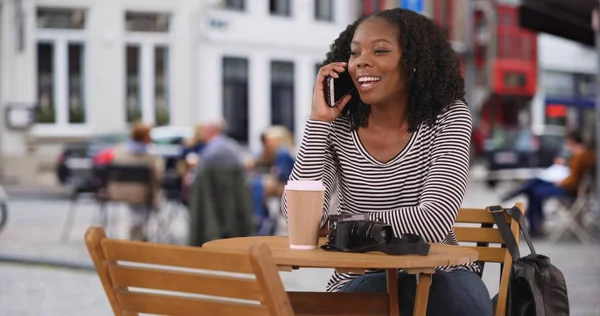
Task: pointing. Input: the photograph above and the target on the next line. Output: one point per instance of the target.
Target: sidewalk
(37, 192)
(33, 235)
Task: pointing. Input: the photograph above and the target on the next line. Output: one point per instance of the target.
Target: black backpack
(536, 287)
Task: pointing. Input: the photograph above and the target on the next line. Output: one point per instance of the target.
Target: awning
(571, 19)
(583, 103)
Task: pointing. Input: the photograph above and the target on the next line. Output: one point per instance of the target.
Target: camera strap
(409, 244)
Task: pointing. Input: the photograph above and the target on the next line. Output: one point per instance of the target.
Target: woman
(263, 162)
(277, 140)
(188, 159)
(135, 152)
(190, 152)
(399, 150)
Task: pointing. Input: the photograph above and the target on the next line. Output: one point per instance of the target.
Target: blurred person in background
(220, 204)
(263, 162)
(192, 150)
(278, 142)
(132, 152)
(556, 181)
(218, 148)
(188, 159)
(478, 136)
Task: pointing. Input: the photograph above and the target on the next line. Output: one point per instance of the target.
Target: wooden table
(322, 303)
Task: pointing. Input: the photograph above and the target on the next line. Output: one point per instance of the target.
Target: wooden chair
(163, 279)
(572, 211)
(483, 236)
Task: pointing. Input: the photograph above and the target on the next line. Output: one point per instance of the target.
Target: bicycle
(3, 208)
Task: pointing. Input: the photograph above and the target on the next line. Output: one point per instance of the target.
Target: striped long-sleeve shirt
(419, 191)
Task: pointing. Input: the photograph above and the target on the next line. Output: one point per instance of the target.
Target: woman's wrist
(318, 121)
(316, 118)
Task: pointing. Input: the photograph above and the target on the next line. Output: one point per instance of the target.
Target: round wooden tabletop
(439, 255)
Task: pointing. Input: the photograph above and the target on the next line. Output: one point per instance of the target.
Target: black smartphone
(337, 88)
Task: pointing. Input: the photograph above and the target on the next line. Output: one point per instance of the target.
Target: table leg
(392, 287)
(422, 297)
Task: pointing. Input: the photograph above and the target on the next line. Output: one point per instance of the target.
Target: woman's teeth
(368, 81)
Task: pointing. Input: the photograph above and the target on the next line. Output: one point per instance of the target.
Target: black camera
(355, 231)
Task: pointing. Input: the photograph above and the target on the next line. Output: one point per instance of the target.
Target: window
(76, 83)
(558, 84)
(147, 22)
(514, 79)
(161, 85)
(324, 10)
(238, 5)
(147, 83)
(147, 70)
(235, 97)
(280, 7)
(585, 86)
(60, 69)
(133, 102)
(61, 82)
(282, 94)
(45, 76)
(58, 18)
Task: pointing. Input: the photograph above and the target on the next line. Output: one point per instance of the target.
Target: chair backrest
(133, 173)
(161, 279)
(587, 184)
(484, 235)
(134, 181)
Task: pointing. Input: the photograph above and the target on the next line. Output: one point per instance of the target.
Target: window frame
(287, 85)
(285, 14)
(244, 136)
(60, 39)
(321, 18)
(147, 43)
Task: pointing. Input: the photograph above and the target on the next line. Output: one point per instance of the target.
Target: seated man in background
(582, 160)
(133, 152)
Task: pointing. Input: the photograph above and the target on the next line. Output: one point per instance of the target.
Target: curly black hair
(428, 59)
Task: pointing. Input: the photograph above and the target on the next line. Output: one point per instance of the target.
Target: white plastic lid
(305, 185)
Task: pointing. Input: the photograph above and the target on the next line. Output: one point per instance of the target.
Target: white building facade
(94, 66)
(566, 86)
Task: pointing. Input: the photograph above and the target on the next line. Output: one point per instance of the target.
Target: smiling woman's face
(374, 63)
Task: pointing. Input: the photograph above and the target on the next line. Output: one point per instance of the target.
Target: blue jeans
(537, 196)
(537, 191)
(262, 217)
(459, 292)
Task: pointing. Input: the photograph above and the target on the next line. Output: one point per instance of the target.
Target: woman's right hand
(320, 110)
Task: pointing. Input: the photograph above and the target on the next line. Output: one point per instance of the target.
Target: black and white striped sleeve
(445, 184)
(315, 161)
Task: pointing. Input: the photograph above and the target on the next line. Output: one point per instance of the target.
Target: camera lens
(353, 234)
(380, 233)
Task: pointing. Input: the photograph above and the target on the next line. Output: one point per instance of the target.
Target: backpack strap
(516, 214)
(509, 240)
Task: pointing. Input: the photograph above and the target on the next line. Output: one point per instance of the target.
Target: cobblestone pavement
(34, 232)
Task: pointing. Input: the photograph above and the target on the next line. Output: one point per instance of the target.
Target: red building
(505, 57)
(510, 62)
